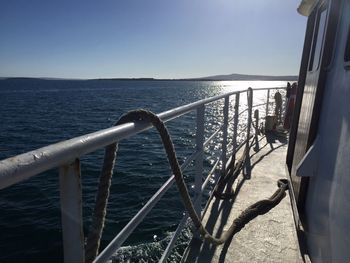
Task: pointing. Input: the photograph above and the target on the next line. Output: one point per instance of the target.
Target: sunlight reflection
(229, 86)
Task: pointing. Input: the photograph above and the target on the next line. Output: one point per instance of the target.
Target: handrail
(63, 154)
(23, 166)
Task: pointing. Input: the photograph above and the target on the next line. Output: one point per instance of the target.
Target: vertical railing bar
(267, 103)
(199, 159)
(224, 135)
(250, 104)
(235, 129)
(71, 212)
(249, 124)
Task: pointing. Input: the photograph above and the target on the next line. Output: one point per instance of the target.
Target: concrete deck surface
(267, 238)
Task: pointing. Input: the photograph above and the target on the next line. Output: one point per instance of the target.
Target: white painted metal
(21, 167)
(199, 159)
(206, 143)
(249, 124)
(243, 111)
(235, 128)
(272, 88)
(137, 219)
(327, 207)
(71, 213)
(259, 105)
(134, 222)
(249, 119)
(224, 135)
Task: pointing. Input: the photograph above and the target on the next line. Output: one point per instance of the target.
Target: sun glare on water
(230, 86)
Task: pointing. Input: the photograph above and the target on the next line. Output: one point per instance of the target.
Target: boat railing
(66, 156)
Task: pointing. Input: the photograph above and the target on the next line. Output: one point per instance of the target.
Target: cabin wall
(296, 181)
(327, 207)
(309, 102)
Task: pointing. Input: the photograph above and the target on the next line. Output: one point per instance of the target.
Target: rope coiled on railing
(93, 240)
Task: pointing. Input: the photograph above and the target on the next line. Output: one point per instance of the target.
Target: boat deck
(267, 238)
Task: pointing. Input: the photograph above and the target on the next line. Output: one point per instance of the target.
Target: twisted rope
(93, 241)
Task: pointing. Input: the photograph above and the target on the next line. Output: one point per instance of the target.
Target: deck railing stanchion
(224, 135)
(267, 103)
(249, 124)
(71, 212)
(235, 129)
(199, 159)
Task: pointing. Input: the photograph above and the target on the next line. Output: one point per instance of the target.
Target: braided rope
(93, 241)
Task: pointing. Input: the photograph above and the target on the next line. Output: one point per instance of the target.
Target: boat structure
(278, 190)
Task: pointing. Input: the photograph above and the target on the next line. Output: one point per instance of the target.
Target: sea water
(37, 112)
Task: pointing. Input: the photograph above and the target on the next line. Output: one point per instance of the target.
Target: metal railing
(65, 156)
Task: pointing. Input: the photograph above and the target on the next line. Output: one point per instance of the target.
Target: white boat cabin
(318, 158)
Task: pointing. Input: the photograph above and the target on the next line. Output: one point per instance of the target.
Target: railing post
(235, 129)
(249, 124)
(71, 212)
(224, 135)
(199, 159)
(267, 103)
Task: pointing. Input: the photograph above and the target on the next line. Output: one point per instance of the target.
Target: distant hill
(235, 76)
(209, 78)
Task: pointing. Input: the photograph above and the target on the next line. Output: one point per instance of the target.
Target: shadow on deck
(267, 238)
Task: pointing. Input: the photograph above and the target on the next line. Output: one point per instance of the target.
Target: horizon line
(211, 77)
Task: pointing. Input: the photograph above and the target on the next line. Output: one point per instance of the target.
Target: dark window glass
(318, 40)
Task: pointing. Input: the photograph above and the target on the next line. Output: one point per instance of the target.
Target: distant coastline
(229, 77)
(247, 77)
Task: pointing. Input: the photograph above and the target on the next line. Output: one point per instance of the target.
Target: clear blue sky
(149, 38)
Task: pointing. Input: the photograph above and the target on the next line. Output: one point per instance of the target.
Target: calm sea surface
(35, 113)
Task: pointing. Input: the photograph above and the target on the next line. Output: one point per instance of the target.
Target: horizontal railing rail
(23, 166)
(65, 155)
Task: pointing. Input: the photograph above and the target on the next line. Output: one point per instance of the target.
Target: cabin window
(347, 52)
(318, 40)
